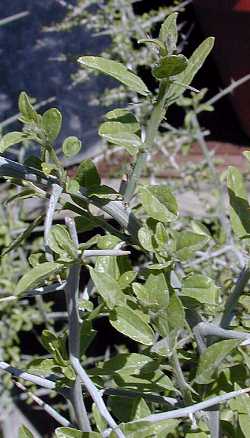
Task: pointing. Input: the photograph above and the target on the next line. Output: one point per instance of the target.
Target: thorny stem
(71, 293)
(226, 91)
(221, 208)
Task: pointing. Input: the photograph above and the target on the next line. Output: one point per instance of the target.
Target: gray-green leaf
(187, 243)
(10, 139)
(71, 146)
(117, 71)
(168, 32)
(111, 132)
(128, 322)
(35, 276)
(159, 203)
(201, 288)
(28, 114)
(51, 123)
(194, 64)
(108, 288)
(60, 242)
(212, 358)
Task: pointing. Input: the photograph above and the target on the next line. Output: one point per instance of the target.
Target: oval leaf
(194, 64)
(212, 358)
(168, 32)
(71, 146)
(10, 139)
(35, 276)
(51, 123)
(108, 288)
(170, 66)
(159, 203)
(128, 322)
(131, 142)
(117, 71)
(201, 288)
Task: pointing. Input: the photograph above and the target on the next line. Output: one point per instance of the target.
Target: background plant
(187, 359)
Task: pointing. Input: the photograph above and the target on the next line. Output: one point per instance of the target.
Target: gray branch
(233, 299)
(71, 293)
(40, 381)
(189, 410)
(45, 406)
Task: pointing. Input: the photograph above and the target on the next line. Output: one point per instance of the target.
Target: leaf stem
(151, 133)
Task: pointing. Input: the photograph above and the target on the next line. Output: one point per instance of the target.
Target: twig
(45, 406)
(54, 198)
(226, 91)
(233, 299)
(104, 252)
(14, 17)
(71, 293)
(189, 410)
(208, 329)
(72, 290)
(40, 381)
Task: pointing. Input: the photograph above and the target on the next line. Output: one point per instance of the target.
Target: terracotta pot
(229, 22)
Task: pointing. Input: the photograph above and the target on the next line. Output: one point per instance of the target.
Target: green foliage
(117, 71)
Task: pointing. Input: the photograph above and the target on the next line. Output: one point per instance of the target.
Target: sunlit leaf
(35, 276)
(201, 288)
(194, 64)
(10, 139)
(187, 243)
(24, 432)
(159, 203)
(117, 71)
(128, 322)
(107, 287)
(71, 146)
(68, 432)
(51, 123)
(212, 358)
